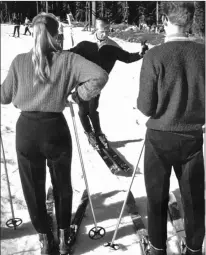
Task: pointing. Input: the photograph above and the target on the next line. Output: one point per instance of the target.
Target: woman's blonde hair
(45, 29)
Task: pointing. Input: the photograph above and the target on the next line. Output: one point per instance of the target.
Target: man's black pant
(88, 112)
(42, 136)
(16, 28)
(27, 30)
(183, 152)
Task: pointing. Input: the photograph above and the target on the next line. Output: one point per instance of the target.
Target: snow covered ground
(125, 128)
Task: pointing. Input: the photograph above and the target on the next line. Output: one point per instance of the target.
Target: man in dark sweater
(103, 52)
(172, 94)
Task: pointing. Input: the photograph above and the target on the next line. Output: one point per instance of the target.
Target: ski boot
(187, 251)
(145, 245)
(64, 242)
(46, 243)
(149, 249)
(92, 140)
(183, 246)
(102, 138)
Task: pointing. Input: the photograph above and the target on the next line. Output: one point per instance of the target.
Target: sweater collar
(176, 37)
(107, 41)
(100, 42)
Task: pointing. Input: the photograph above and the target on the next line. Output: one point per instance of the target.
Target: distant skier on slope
(104, 52)
(27, 23)
(60, 37)
(172, 94)
(17, 23)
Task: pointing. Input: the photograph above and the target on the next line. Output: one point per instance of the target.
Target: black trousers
(16, 28)
(44, 136)
(164, 150)
(27, 30)
(89, 115)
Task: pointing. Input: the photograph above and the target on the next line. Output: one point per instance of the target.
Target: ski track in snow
(124, 127)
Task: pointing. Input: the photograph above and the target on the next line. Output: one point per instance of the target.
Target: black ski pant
(16, 29)
(183, 152)
(27, 30)
(42, 136)
(89, 115)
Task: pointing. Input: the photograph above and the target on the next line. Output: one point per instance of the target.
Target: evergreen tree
(198, 27)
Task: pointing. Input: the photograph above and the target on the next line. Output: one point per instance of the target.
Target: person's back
(39, 83)
(51, 96)
(172, 94)
(180, 65)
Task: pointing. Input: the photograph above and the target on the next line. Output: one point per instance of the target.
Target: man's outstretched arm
(116, 53)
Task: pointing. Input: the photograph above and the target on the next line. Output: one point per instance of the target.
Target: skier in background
(17, 23)
(104, 52)
(172, 94)
(60, 37)
(27, 23)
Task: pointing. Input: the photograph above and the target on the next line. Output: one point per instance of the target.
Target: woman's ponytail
(45, 30)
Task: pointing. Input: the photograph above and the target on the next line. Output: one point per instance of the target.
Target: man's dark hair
(103, 20)
(179, 13)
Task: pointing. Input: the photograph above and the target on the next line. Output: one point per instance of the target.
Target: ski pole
(96, 232)
(14, 222)
(111, 244)
(71, 31)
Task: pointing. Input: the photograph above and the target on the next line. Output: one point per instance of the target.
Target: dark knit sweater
(68, 70)
(105, 54)
(172, 86)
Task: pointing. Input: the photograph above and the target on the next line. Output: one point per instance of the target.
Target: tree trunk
(157, 15)
(37, 7)
(46, 6)
(102, 8)
(93, 13)
(89, 15)
(86, 13)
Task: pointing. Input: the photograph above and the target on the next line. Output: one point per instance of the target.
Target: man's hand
(144, 47)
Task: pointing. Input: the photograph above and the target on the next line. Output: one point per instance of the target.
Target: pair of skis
(76, 220)
(112, 159)
(174, 217)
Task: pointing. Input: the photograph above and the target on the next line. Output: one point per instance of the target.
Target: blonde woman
(39, 83)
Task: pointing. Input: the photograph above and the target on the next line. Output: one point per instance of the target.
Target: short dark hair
(102, 20)
(178, 13)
